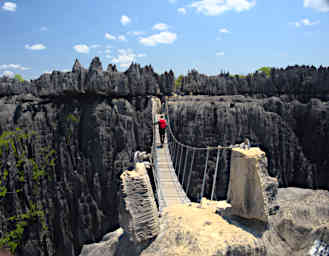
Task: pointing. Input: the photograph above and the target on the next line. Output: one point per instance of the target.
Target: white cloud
(8, 74)
(108, 56)
(9, 6)
(81, 48)
(307, 22)
(125, 20)
(141, 55)
(217, 7)
(220, 53)
(172, 1)
(160, 26)
(135, 33)
(44, 28)
(126, 57)
(35, 47)
(107, 51)
(182, 10)
(224, 30)
(319, 5)
(13, 66)
(161, 38)
(110, 37)
(122, 38)
(94, 46)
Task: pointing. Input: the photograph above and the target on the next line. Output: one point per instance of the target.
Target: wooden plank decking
(170, 191)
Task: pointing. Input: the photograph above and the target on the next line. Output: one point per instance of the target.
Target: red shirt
(162, 123)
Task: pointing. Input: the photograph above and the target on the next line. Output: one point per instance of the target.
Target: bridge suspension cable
(174, 164)
(177, 151)
(187, 146)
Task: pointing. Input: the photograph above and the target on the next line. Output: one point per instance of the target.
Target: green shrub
(266, 70)
(19, 77)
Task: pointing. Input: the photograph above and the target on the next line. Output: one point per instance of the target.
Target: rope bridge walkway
(168, 182)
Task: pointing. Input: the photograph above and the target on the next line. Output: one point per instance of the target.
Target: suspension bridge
(173, 166)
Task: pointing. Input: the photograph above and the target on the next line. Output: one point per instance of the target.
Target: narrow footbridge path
(169, 190)
(173, 165)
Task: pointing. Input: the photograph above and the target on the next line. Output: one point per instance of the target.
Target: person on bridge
(162, 128)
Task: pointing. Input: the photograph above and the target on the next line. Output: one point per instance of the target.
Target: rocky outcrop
(251, 190)
(138, 210)
(293, 135)
(301, 226)
(245, 227)
(138, 218)
(194, 230)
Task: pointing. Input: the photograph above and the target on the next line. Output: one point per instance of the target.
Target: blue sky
(238, 36)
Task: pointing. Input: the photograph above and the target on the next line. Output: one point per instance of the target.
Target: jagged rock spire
(134, 67)
(112, 68)
(96, 64)
(77, 66)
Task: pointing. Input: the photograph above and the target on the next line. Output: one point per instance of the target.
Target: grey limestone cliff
(94, 120)
(294, 136)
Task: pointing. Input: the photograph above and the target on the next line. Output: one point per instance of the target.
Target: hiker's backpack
(162, 123)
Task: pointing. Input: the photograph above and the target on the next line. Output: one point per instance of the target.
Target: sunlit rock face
(251, 190)
(94, 120)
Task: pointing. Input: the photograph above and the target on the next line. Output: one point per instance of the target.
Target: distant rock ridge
(136, 81)
(301, 82)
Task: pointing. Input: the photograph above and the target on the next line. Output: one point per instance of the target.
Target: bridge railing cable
(177, 150)
(161, 201)
(174, 139)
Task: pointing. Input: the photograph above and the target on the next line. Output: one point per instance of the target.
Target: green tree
(19, 77)
(266, 70)
(178, 82)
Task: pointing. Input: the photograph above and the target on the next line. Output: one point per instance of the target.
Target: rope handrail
(178, 154)
(191, 147)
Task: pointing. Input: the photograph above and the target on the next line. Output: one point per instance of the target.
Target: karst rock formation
(94, 119)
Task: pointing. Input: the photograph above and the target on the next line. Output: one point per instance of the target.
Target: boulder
(251, 190)
(301, 226)
(108, 246)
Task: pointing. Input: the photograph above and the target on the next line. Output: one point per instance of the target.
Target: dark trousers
(162, 133)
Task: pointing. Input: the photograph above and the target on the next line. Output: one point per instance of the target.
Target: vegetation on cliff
(15, 160)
